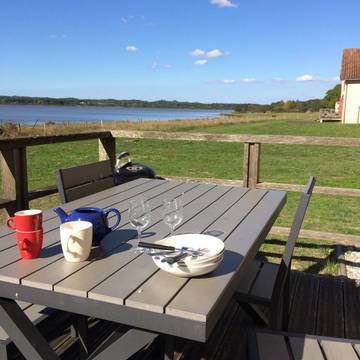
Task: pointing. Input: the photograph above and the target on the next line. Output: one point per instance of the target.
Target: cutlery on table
(190, 250)
(174, 259)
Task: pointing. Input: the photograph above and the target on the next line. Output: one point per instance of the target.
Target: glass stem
(138, 234)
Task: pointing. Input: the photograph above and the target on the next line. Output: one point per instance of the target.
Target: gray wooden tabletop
(120, 285)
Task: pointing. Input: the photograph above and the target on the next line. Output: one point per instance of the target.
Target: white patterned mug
(76, 238)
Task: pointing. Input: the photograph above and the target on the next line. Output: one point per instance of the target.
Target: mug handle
(10, 223)
(23, 245)
(67, 243)
(118, 216)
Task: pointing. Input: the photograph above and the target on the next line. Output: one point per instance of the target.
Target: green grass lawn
(314, 257)
(282, 127)
(334, 166)
(224, 161)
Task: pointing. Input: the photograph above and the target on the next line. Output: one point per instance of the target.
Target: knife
(167, 247)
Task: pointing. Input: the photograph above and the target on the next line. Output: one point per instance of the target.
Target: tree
(332, 96)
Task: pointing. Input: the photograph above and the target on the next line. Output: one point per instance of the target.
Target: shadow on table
(229, 264)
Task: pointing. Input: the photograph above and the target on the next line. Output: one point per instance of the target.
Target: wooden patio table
(120, 285)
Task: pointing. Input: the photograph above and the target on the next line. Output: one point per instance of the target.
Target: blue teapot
(96, 216)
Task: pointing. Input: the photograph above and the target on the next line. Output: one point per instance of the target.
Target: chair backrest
(79, 181)
(280, 295)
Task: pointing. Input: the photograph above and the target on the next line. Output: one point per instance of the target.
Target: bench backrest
(79, 181)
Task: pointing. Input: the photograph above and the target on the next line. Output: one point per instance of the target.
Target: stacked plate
(196, 254)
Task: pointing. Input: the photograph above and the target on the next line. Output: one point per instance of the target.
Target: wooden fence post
(107, 149)
(251, 164)
(14, 178)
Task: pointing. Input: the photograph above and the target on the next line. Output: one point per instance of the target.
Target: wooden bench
(286, 346)
(79, 181)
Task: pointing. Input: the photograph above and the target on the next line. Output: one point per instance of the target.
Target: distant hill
(292, 105)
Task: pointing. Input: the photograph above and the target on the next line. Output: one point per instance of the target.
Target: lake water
(38, 113)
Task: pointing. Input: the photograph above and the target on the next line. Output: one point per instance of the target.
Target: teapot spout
(61, 214)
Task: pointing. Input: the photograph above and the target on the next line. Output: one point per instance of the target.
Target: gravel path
(353, 271)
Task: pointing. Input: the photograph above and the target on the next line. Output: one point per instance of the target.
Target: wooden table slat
(119, 285)
(52, 251)
(94, 274)
(198, 297)
(59, 270)
(49, 214)
(335, 350)
(272, 347)
(52, 222)
(305, 348)
(152, 295)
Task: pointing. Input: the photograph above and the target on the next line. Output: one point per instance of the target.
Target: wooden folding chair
(266, 285)
(266, 345)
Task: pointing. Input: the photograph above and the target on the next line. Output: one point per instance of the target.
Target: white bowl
(190, 267)
(186, 271)
(211, 245)
(200, 265)
(191, 261)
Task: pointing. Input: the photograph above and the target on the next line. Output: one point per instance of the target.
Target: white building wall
(351, 110)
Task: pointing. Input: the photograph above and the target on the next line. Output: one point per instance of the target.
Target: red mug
(29, 243)
(25, 220)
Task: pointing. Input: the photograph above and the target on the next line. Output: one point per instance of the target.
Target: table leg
(79, 329)
(169, 347)
(23, 333)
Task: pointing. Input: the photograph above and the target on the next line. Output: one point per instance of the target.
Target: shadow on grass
(299, 244)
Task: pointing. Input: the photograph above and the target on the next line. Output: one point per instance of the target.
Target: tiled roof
(350, 68)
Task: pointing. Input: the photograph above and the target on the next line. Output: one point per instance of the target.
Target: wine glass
(172, 212)
(139, 216)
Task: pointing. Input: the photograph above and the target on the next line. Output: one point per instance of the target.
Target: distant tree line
(27, 100)
(328, 101)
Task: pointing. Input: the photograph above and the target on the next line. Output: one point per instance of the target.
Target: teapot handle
(118, 217)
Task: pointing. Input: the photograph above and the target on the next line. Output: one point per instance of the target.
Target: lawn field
(334, 166)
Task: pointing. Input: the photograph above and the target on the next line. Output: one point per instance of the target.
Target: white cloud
(228, 82)
(214, 54)
(154, 66)
(201, 62)
(131, 48)
(307, 77)
(167, 66)
(223, 3)
(197, 53)
(278, 79)
(249, 80)
(124, 20)
(58, 36)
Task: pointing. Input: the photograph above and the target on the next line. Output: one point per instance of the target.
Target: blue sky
(191, 50)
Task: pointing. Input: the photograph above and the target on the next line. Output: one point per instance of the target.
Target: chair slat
(249, 277)
(304, 348)
(79, 181)
(87, 189)
(337, 350)
(357, 349)
(264, 284)
(272, 347)
(81, 174)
